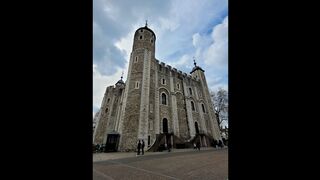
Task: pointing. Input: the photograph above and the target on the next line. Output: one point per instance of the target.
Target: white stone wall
(189, 112)
(144, 106)
(174, 107)
(157, 103)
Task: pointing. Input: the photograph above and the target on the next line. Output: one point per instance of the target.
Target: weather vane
(122, 74)
(194, 61)
(146, 23)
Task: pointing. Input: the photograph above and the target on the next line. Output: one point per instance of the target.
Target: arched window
(192, 106)
(196, 127)
(163, 81)
(108, 100)
(164, 98)
(106, 110)
(190, 91)
(203, 108)
(178, 86)
(140, 37)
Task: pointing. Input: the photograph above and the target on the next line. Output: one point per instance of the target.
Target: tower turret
(144, 38)
(198, 73)
(135, 117)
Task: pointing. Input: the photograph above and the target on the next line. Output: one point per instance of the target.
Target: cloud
(106, 55)
(211, 52)
(125, 44)
(217, 53)
(183, 63)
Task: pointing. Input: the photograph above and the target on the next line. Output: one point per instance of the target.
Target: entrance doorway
(197, 128)
(165, 125)
(112, 142)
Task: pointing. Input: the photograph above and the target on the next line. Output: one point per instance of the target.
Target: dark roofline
(196, 68)
(148, 30)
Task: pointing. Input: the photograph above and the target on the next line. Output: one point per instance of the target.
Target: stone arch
(190, 91)
(163, 98)
(203, 108)
(194, 104)
(165, 91)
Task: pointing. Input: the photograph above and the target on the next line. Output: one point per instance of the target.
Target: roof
(120, 82)
(196, 68)
(146, 28)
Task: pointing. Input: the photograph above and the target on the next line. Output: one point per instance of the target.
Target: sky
(184, 29)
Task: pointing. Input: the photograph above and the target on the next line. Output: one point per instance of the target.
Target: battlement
(175, 70)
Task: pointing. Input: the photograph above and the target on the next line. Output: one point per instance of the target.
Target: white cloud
(183, 61)
(125, 44)
(217, 53)
(111, 11)
(195, 39)
(168, 24)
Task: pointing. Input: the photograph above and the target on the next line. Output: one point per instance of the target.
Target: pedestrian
(220, 144)
(169, 147)
(194, 146)
(198, 145)
(216, 144)
(139, 146)
(142, 147)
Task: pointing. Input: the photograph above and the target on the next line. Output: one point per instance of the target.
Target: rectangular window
(151, 108)
(150, 125)
(149, 140)
(137, 85)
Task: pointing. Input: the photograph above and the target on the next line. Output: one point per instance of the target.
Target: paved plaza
(208, 163)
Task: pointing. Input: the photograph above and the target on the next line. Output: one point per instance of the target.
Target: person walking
(169, 147)
(142, 147)
(139, 146)
(216, 145)
(198, 145)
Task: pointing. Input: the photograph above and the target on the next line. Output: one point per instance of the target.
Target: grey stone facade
(155, 93)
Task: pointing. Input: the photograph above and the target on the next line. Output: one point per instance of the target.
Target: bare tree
(220, 104)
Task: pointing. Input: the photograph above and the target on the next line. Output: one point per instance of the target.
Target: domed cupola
(144, 38)
(120, 82)
(196, 67)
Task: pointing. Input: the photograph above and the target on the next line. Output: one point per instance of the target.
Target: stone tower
(158, 104)
(134, 121)
(198, 73)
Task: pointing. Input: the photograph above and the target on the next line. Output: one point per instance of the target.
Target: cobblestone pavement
(183, 164)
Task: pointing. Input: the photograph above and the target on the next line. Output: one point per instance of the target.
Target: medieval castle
(158, 104)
